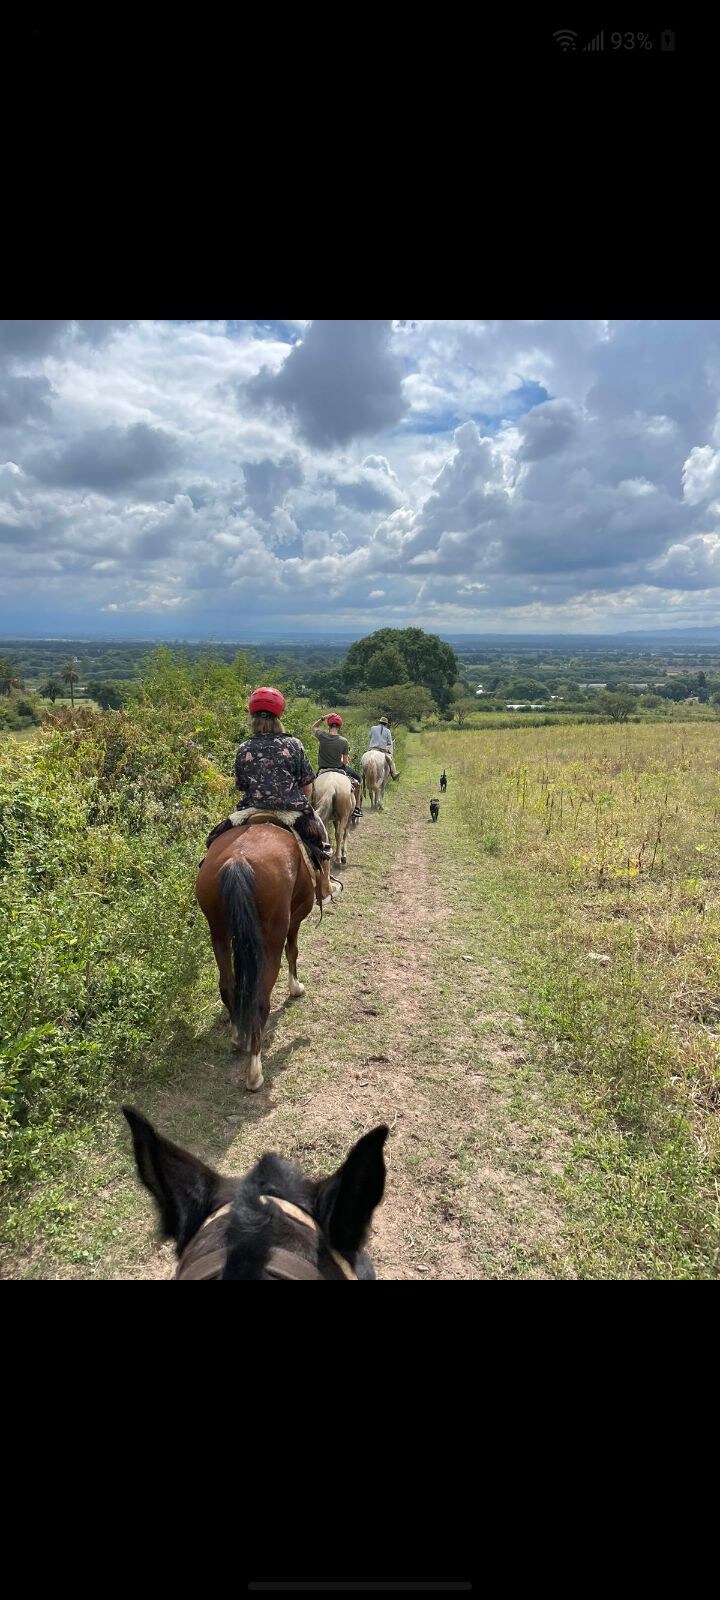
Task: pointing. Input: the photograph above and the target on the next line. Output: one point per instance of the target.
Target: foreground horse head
(274, 1223)
(333, 799)
(375, 771)
(255, 890)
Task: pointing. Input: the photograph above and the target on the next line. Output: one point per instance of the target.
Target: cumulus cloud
(24, 399)
(108, 458)
(701, 474)
(695, 564)
(343, 381)
(526, 473)
(33, 340)
(371, 486)
(547, 430)
(267, 482)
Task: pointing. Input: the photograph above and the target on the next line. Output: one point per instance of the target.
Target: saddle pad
(281, 819)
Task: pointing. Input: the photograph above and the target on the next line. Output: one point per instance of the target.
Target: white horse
(375, 771)
(334, 801)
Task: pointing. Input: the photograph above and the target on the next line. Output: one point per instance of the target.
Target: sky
(248, 480)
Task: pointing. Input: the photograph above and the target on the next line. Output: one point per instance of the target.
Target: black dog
(434, 809)
(443, 781)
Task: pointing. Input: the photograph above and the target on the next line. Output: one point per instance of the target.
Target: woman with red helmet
(333, 753)
(273, 773)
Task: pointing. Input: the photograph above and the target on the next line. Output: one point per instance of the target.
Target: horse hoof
(295, 991)
(252, 1087)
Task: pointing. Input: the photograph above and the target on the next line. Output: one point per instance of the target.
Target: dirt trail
(397, 1026)
(405, 1021)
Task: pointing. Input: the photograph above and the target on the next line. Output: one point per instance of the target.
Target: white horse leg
(295, 988)
(254, 1078)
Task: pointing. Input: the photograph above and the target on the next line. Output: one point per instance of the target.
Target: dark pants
(348, 771)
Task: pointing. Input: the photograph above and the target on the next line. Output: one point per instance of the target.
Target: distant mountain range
(640, 638)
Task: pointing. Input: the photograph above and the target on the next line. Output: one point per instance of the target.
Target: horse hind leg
(254, 1075)
(295, 988)
(223, 956)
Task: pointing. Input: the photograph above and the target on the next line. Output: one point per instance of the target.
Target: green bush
(102, 824)
(19, 711)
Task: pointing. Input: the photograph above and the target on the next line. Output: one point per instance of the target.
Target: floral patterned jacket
(270, 770)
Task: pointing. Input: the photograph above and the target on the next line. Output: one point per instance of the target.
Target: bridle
(206, 1254)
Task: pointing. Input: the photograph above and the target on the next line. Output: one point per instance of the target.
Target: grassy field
(528, 993)
(601, 852)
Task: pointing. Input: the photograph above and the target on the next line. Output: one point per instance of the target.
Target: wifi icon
(566, 38)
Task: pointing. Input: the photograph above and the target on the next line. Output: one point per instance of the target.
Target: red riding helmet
(267, 700)
(334, 721)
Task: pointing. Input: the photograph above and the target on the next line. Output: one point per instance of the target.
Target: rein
(200, 1264)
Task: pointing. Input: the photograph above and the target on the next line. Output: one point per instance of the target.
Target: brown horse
(255, 889)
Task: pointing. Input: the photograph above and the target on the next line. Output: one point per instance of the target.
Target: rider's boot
(330, 888)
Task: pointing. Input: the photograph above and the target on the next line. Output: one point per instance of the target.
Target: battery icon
(667, 39)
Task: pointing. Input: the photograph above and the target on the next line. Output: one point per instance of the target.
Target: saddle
(280, 819)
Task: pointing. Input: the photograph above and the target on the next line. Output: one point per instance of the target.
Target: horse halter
(205, 1257)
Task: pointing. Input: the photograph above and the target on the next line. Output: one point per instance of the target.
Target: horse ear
(183, 1187)
(346, 1201)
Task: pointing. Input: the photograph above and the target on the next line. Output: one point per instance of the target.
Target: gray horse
(333, 800)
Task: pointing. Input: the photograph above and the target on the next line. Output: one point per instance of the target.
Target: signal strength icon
(566, 38)
(598, 43)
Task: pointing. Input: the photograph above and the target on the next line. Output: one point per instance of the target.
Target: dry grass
(609, 842)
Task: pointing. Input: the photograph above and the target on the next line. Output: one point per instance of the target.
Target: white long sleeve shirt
(381, 738)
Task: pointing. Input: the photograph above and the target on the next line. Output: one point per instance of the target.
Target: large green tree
(616, 707)
(525, 689)
(462, 708)
(327, 684)
(108, 696)
(429, 662)
(385, 667)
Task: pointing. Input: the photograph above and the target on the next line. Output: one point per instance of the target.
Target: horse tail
(325, 805)
(237, 886)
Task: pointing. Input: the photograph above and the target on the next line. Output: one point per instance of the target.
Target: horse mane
(249, 1236)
